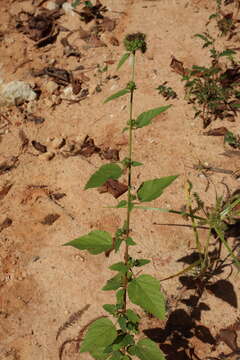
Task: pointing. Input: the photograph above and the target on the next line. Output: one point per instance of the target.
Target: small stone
(51, 5)
(16, 91)
(49, 155)
(67, 7)
(50, 87)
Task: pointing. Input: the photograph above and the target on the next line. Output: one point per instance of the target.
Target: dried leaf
(5, 190)
(76, 86)
(5, 224)
(73, 318)
(57, 196)
(221, 131)
(177, 66)
(35, 119)
(39, 147)
(94, 12)
(8, 165)
(108, 24)
(110, 154)
(114, 187)
(114, 41)
(24, 139)
(94, 41)
(88, 147)
(229, 336)
(50, 219)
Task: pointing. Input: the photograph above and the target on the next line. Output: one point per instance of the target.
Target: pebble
(51, 5)
(67, 7)
(50, 87)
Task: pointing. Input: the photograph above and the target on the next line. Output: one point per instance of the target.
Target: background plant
(116, 340)
(213, 90)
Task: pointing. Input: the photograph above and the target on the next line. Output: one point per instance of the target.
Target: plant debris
(88, 147)
(177, 66)
(114, 187)
(50, 219)
(60, 76)
(89, 13)
(221, 131)
(5, 224)
(5, 190)
(69, 50)
(39, 147)
(41, 27)
(109, 154)
(8, 164)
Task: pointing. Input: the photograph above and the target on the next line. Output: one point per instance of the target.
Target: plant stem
(129, 200)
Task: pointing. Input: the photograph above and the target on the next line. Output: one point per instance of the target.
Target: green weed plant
(115, 336)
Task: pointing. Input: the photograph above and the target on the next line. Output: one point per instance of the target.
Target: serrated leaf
(110, 308)
(100, 334)
(146, 117)
(95, 242)
(105, 172)
(117, 95)
(132, 316)
(152, 189)
(114, 283)
(145, 291)
(123, 60)
(147, 349)
(120, 266)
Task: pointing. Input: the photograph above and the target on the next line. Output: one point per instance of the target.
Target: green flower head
(134, 42)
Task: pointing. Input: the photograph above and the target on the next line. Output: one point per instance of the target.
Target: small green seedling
(113, 337)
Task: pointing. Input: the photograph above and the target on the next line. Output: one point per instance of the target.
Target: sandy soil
(43, 283)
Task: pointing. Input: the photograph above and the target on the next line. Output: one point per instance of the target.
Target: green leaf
(122, 204)
(120, 297)
(132, 316)
(95, 242)
(114, 283)
(88, 4)
(100, 334)
(123, 60)
(152, 189)
(136, 163)
(120, 266)
(75, 3)
(141, 262)
(110, 308)
(227, 52)
(145, 118)
(99, 354)
(145, 292)
(122, 323)
(108, 171)
(147, 349)
(117, 95)
(130, 242)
